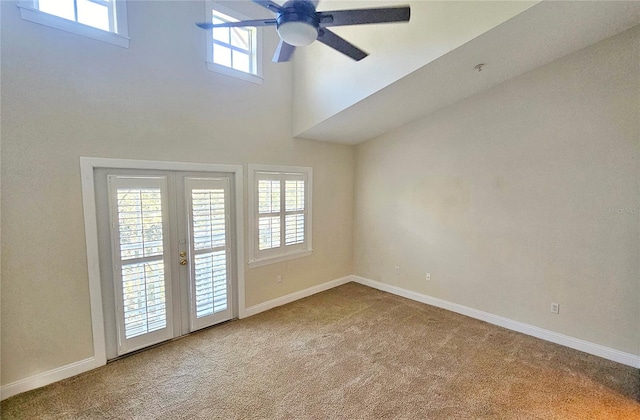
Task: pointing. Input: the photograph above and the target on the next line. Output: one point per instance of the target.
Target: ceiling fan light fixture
(298, 34)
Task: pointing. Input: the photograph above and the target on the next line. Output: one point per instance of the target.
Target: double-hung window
(233, 51)
(280, 211)
(104, 20)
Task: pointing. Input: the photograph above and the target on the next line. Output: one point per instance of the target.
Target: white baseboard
(46, 378)
(283, 300)
(564, 340)
(81, 366)
(63, 372)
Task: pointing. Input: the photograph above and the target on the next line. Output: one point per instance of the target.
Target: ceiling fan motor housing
(297, 23)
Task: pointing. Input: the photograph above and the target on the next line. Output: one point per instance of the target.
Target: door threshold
(153, 346)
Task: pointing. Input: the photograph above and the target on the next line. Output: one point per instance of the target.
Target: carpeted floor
(351, 353)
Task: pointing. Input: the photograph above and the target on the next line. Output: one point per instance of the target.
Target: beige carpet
(353, 353)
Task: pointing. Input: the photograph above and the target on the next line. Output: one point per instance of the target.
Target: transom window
(104, 20)
(233, 51)
(96, 13)
(280, 204)
(232, 47)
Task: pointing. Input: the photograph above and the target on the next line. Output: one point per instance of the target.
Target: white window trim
(254, 260)
(227, 71)
(28, 11)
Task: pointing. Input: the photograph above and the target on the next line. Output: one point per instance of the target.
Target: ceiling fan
(298, 24)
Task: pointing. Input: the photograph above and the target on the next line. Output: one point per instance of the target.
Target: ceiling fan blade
(259, 22)
(345, 47)
(268, 4)
(283, 52)
(364, 16)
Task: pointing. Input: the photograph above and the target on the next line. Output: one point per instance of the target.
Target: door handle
(183, 262)
(183, 254)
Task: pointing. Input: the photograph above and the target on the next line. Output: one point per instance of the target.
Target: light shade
(297, 34)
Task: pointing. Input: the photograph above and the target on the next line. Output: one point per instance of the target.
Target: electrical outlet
(555, 308)
(427, 276)
(278, 278)
(397, 270)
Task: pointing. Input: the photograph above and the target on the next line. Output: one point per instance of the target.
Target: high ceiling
(541, 34)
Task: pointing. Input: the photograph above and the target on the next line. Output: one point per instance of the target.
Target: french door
(170, 253)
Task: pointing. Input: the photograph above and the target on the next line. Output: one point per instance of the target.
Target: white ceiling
(540, 35)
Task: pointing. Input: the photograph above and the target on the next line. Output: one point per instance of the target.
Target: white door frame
(87, 167)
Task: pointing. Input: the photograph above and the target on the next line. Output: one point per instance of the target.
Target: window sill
(279, 258)
(36, 16)
(253, 78)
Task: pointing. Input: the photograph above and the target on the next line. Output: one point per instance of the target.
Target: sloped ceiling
(337, 101)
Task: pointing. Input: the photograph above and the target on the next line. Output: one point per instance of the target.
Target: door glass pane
(143, 291)
(140, 235)
(140, 222)
(208, 220)
(211, 283)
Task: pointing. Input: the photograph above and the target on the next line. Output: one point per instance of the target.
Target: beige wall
(523, 195)
(65, 96)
